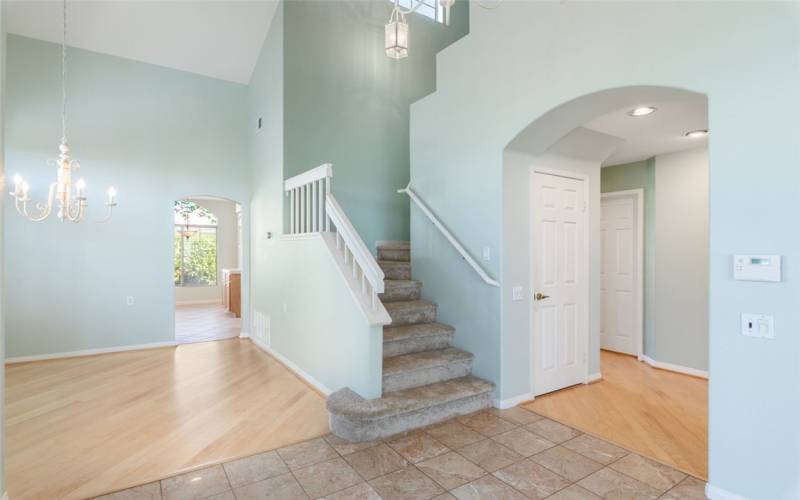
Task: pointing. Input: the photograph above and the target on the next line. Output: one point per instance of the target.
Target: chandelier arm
(44, 210)
(108, 215)
(78, 213)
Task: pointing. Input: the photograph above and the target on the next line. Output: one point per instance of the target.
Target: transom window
(429, 8)
(195, 245)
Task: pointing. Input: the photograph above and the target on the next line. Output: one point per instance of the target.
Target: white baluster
(327, 191)
(314, 227)
(321, 189)
(291, 212)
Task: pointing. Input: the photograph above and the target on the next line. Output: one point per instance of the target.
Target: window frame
(181, 227)
(430, 9)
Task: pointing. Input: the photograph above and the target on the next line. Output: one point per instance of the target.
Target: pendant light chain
(64, 76)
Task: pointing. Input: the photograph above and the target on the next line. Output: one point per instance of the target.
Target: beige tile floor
(204, 322)
(496, 454)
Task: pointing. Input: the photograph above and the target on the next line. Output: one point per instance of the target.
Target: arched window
(195, 245)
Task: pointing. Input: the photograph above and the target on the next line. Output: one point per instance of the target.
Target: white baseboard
(197, 302)
(293, 367)
(717, 493)
(504, 404)
(88, 352)
(594, 377)
(244, 335)
(675, 368)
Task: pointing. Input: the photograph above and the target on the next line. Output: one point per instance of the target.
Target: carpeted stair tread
(347, 403)
(424, 360)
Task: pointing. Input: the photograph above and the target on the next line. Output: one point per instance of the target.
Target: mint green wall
(157, 135)
(348, 104)
(524, 59)
(326, 92)
(641, 175)
(2, 265)
(675, 248)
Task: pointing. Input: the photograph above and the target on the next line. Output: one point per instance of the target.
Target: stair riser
(358, 430)
(394, 293)
(394, 254)
(408, 346)
(425, 376)
(412, 316)
(396, 270)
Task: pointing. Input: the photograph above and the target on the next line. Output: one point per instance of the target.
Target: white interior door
(619, 274)
(559, 274)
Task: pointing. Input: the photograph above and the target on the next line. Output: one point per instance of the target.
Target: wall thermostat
(757, 267)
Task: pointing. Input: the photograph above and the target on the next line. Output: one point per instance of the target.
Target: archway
(207, 268)
(554, 249)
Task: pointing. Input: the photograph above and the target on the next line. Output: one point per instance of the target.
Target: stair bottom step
(356, 419)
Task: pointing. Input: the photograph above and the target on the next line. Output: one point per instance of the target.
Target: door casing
(584, 286)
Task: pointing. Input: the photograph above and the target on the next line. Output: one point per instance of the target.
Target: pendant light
(67, 196)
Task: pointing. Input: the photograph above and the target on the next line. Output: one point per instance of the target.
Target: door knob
(540, 296)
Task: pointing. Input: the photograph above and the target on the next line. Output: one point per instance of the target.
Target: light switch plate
(758, 325)
(487, 254)
(516, 293)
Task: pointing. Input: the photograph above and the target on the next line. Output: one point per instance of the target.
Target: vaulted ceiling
(220, 39)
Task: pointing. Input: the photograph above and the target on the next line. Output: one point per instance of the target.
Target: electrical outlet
(129, 300)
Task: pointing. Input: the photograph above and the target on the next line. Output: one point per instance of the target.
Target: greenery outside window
(195, 245)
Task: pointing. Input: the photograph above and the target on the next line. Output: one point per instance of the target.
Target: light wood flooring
(81, 427)
(204, 322)
(660, 414)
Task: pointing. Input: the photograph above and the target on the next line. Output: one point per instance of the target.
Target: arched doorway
(606, 225)
(207, 265)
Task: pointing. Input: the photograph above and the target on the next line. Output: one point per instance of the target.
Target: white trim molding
(292, 367)
(89, 352)
(504, 404)
(594, 377)
(197, 302)
(675, 368)
(717, 493)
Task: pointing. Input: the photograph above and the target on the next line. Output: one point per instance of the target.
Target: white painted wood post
(291, 211)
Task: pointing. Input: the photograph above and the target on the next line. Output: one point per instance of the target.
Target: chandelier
(396, 31)
(68, 197)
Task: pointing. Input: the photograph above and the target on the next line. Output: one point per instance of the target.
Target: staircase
(425, 379)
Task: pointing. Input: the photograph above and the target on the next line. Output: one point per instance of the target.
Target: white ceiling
(220, 39)
(658, 133)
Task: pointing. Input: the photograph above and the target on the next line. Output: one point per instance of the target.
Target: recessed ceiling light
(697, 134)
(642, 111)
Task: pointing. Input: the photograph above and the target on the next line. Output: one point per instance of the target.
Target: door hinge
(585, 205)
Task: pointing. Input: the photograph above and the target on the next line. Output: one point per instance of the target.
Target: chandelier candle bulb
(80, 187)
(17, 186)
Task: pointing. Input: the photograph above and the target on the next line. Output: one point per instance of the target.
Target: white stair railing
(449, 236)
(314, 210)
(307, 193)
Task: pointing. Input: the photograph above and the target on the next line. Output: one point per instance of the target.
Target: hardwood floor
(660, 414)
(80, 427)
(204, 322)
